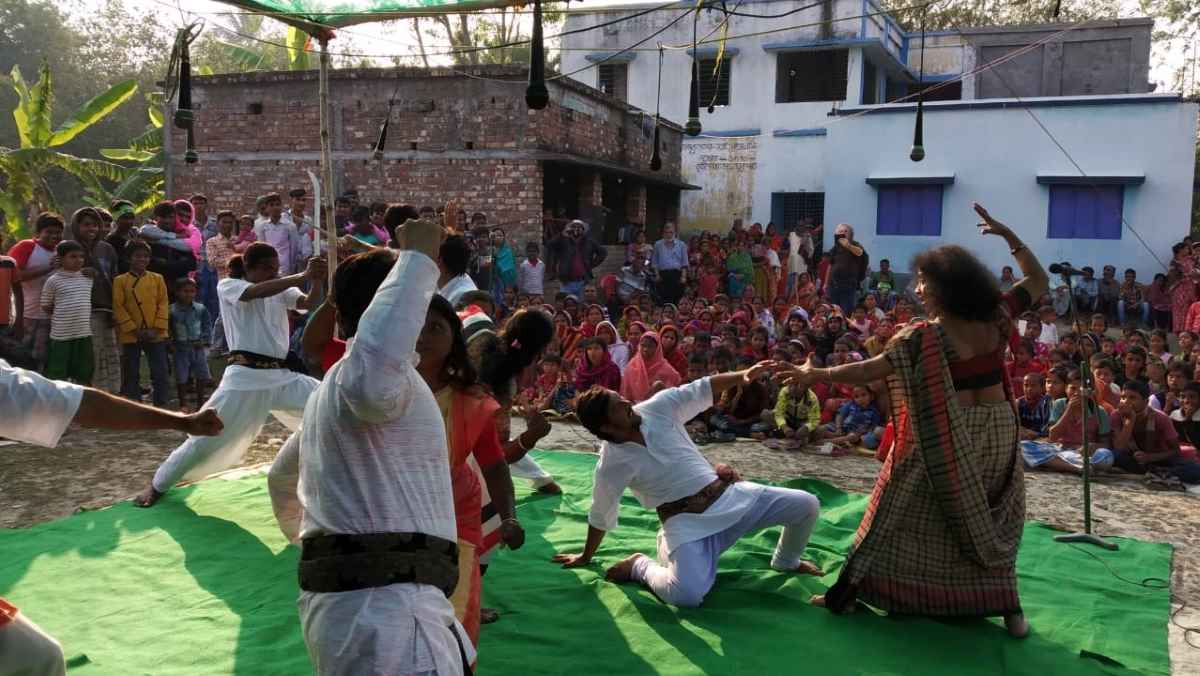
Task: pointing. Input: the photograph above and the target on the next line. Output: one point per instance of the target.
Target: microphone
(1065, 270)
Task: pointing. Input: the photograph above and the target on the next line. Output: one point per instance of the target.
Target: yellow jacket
(140, 302)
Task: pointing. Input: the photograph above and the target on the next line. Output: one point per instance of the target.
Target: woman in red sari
(944, 522)
(647, 370)
(1182, 287)
(475, 450)
(672, 350)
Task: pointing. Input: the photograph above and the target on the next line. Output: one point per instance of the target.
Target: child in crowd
(1033, 407)
(1179, 374)
(1134, 365)
(552, 393)
(67, 300)
(797, 416)
(141, 312)
(858, 421)
(1108, 393)
(1024, 362)
(740, 413)
(190, 341)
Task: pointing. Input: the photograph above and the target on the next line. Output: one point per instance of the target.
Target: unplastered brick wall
(449, 137)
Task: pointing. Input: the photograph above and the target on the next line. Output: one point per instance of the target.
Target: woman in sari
(1182, 288)
(596, 367)
(475, 451)
(672, 350)
(617, 349)
(630, 314)
(568, 337)
(647, 371)
(592, 316)
(944, 521)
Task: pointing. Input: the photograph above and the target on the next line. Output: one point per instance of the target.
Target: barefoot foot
(550, 489)
(1017, 625)
(817, 600)
(488, 615)
(148, 497)
(622, 571)
(808, 568)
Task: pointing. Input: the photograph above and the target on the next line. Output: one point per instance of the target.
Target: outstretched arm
(1035, 280)
(103, 410)
(594, 537)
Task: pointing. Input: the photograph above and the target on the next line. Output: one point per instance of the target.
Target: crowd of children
(751, 294)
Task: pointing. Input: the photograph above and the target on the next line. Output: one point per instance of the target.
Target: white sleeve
(379, 372)
(608, 485)
(682, 403)
(291, 297)
(230, 289)
(33, 409)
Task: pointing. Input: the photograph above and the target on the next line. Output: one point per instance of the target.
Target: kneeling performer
(703, 510)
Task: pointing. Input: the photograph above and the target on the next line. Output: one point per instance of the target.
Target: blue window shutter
(913, 210)
(1085, 211)
(777, 211)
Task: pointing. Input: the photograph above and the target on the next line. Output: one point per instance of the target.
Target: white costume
(36, 411)
(245, 396)
(373, 459)
(456, 287)
(670, 467)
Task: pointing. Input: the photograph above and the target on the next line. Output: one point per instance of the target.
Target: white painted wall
(996, 155)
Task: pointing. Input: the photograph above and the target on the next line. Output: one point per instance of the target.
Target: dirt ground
(92, 469)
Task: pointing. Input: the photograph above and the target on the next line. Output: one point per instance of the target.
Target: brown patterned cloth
(693, 504)
(337, 563)
(944, 522)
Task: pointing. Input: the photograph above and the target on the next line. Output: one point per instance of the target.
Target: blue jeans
(1145, 308)
(131, 371)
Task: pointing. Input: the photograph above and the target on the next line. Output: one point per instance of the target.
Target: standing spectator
(1087, 291)
(670, 263)
(1110, 293)
(35, 260)
(1159, 297)
(453, 258)
(573, 256)
(101, 259)
(1131, 298)
(302, 221)
(638, 247)
(1007, 280)
(170, 255)
(12, 314)
(848, 262)
(360, 228)
(504, 265)
(67, 300)
(190, 340)
(633, 280)
(222, 246)
(531, 275)
(281, 234)
(1182, 287)
(118, 238)
(800, 250)
(140, 310)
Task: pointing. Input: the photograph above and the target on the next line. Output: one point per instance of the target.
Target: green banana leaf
(93, 111)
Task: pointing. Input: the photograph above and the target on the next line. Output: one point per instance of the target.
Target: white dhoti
(244, 399)
(682, 576)
(283, 484)
(355, 632)
(26, 650)
(528, 468)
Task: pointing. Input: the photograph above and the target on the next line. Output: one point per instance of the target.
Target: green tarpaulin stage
(203, 584)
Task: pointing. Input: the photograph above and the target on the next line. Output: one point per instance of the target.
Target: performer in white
(35, 410)
(254, 309)
(704, 510)
(378, 553)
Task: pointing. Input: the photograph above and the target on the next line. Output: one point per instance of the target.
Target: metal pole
(327, 162)
(1085, 396)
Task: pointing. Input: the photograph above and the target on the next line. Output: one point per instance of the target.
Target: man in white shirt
(375, 478)
(800, 249)
(704, 510)
(280, 233)
(302, 221)
(37, 410)
(531, 275)
(453, 259)
(256, 384)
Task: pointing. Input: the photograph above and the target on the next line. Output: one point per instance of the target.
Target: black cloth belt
(252, 360)
(338, 563)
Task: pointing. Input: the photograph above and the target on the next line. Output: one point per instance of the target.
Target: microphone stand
(1085, 393)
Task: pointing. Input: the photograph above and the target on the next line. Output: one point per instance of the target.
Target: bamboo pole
(327, 162)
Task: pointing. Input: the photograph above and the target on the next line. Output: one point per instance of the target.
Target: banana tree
(143, 183)
(267, 56)
(25, 170)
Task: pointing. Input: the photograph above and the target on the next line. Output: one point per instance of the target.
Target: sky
(393, 39)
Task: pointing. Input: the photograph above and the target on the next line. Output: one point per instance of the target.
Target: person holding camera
(140, 311)
(848, 263)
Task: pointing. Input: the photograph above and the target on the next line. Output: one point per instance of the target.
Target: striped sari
(944, 522)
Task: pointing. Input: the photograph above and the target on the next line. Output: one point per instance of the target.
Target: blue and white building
(812, 118)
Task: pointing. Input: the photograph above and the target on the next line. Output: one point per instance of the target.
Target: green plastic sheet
(310, 14)
(204, 584)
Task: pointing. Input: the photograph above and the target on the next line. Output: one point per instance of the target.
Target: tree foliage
(478, 38)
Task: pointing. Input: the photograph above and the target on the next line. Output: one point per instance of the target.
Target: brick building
(452, 136)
